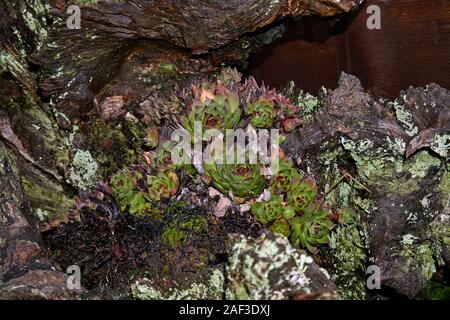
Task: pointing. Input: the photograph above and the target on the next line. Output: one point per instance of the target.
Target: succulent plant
(217, 112)
(262, 113)
(302, 195)
(311, 229)
(229, 76)
(123, 187)
(162, 160)
(151, 137)
(162, 186)
(242, 180)
(287, 176)
(282, 227)
(292, 210)
(139, 206)
(268, 211)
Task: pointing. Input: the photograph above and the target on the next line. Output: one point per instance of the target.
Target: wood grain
(412, 48)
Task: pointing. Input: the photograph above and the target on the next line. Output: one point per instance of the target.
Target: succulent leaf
(162, 186)
(282, 227)
(262, 113)
(242, 180)
(268, 211)
(286, 177)
(301, 196)
(123, 187)
(220, 112)
(311, 229)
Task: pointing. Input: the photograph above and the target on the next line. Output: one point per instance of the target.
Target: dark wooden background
(412, 48)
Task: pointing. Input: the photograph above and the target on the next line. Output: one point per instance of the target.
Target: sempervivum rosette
(262, 113)
(311, 229)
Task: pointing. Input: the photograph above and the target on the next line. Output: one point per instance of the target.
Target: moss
(177, 231)
(139, 206)
(49, 200)
(437, 291)
(167, 68)
(115, 148)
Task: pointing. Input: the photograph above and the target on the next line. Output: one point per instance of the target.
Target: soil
(113, 250)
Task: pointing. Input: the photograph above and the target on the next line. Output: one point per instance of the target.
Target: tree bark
(25, 272)
(59, 89)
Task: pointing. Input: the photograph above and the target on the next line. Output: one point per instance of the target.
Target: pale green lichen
(348, 248)
(9, 63)
(405, 117)
(425, 202)
(42, 214)
(441, 145)
(421, 164)
(83, 173)
(439, 235)
(309, 104)
(375, 164)
(251, 263)
(419, 258)
(396, 145)
(408, 239)
(213, 288)
(382, 165)
(34, 14)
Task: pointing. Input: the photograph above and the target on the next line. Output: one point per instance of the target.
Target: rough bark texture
(127, 59)
(390, 161)
(25, 272)
(78, 62)
(123, 64)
